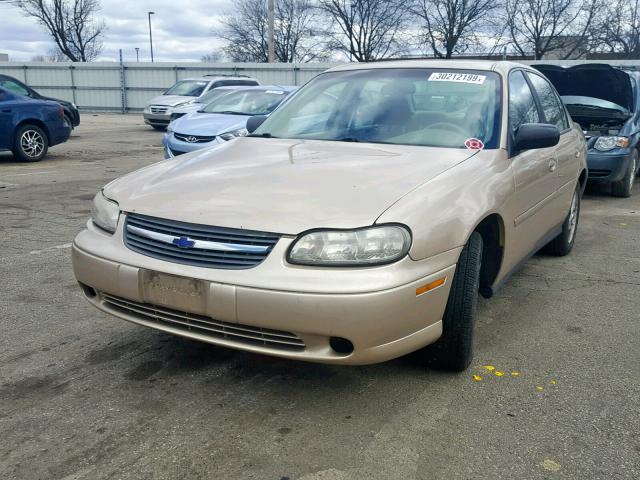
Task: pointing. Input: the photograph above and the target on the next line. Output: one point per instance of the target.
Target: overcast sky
(181, 30)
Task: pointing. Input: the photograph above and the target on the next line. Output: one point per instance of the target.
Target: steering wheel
(453, 126)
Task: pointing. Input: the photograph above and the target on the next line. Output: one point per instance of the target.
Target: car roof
(215, 78)
(502, 67)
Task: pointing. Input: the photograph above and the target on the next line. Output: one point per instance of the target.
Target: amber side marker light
(430, 286)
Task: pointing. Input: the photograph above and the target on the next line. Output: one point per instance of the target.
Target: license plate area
(173, 291)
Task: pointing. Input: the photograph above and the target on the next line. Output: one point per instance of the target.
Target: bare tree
(245, 31)
(71, 24)
(53, 55)
(452, 26)
(366, 29)
(540, 27)
(620, 31)
(212, 57)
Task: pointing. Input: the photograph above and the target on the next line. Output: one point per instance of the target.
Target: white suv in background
(157, 112)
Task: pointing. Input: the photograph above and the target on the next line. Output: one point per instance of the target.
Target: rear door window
(552, 109)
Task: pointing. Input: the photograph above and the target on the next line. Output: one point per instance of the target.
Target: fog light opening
(88, 291)
(341, 345)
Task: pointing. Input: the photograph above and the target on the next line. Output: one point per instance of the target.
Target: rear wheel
(563, 243)
(161, 128)
(31, 144)
(624, 187)
(454, 349)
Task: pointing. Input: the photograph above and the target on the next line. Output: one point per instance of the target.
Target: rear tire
(30, 144)
(624, 187)
(454, 349)
(160, 128)
(563, 243)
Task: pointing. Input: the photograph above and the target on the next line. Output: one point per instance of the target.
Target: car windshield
(247, 102)
(406, 106)
(212, 95)
(188, 88)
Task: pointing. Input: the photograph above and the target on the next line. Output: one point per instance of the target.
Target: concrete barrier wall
(126, 87)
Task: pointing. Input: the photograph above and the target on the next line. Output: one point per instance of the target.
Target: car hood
(208, 123)
(282, 186)
(189, 108)
(591, 80)
(170, 100)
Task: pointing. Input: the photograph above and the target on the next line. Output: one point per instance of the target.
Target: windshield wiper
(231, 112)
(261, 135)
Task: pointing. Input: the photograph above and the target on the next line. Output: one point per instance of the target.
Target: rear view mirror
(530, 136)
(254, 122)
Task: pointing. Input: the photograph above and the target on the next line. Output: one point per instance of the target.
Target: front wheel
(624, 187)
(454, 349)
(563, 243)
(31, 144)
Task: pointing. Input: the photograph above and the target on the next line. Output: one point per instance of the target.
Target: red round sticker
(474, 144)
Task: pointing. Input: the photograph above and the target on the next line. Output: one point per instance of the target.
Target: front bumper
(157, 119)
(376, 309)
(607, 167)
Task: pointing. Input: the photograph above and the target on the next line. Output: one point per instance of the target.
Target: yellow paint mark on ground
(539, 388)
(515, 374)
(623, 224)
(498, 373)
(489, 368)
(552, 382)
(550, 465)
(477, 378)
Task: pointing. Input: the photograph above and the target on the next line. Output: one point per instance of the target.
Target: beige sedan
(356, 224)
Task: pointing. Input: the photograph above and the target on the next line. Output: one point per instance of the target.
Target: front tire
(624, 187)
(563, 243)
(454, 349)
(31, 144)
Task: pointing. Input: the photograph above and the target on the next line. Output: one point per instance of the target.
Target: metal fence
(126, 87)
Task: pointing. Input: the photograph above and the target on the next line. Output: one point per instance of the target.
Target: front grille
(198, 245)
(191, 322)
(175, 153)
(193, 138)
(599, 173)
(158, 109)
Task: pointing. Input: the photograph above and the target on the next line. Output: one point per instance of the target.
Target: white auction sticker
(457, 77)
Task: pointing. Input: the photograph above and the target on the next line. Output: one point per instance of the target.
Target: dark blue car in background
(28, 127)
(605, 101)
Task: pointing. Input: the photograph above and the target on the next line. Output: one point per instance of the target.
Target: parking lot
(86, 396)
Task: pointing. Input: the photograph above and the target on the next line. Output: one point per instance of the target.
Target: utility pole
(270, 40)
(150, 36)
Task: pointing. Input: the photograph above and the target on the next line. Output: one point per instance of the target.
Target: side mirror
(530, 136)
(254, 122)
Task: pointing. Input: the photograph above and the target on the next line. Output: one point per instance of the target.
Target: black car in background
(605, 101)
(16, 86)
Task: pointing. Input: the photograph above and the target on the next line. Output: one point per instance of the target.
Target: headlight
(605, 143)
(365, 246)
(146, 109)
(105, 212)
(74, 105)
(241, 132)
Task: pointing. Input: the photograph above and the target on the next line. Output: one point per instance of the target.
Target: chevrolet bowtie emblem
(183, 242)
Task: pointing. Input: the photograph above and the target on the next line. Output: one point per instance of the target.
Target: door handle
(553, 164)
